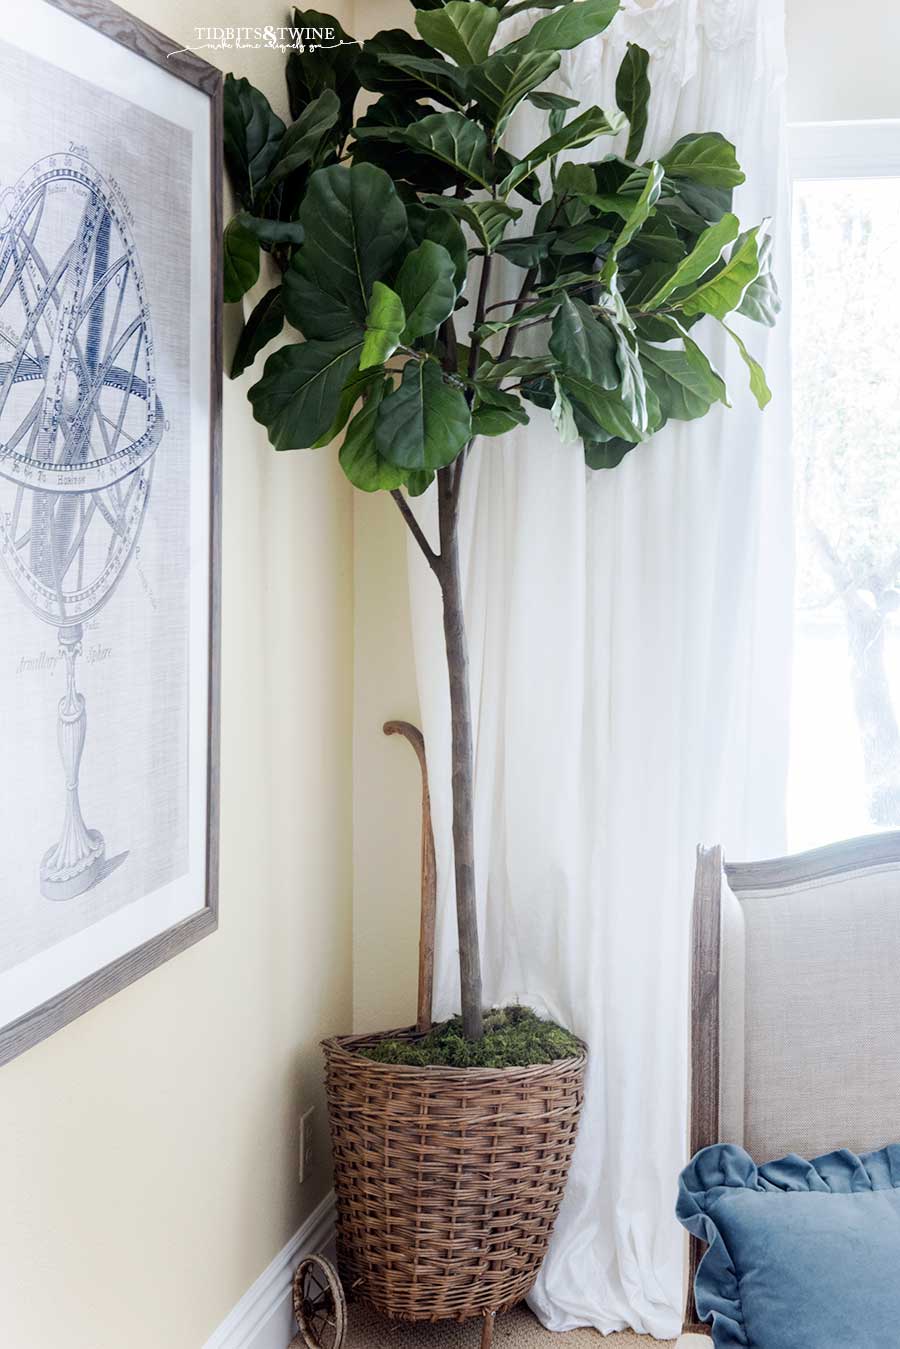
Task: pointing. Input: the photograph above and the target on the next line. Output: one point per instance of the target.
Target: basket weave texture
(448, 1180)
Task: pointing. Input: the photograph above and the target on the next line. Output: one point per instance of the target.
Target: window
(845, 752)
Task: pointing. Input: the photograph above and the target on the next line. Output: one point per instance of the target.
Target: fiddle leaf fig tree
(385, 206)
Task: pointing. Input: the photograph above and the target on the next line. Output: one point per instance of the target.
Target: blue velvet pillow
(802, 1255)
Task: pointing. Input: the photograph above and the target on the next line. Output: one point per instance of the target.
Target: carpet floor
(517, 1330)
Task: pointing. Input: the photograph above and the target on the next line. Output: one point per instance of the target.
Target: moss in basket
(514, 1037)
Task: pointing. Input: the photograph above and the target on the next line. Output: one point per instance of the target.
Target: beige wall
(148, 1153)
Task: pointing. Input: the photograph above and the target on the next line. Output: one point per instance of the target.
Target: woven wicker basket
(448, 1181)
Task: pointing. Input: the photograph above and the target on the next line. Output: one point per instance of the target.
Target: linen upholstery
(822, 1016)
(732, 1017)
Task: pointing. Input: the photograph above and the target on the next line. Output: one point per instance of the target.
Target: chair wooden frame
(820, 864)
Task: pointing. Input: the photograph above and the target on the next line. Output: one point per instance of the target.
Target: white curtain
(630, 639)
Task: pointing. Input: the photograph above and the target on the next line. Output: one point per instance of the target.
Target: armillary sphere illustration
(80, 422)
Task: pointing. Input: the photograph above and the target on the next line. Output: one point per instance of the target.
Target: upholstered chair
(795, 1007)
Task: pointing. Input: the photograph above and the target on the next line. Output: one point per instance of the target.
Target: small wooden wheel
(320, 1308)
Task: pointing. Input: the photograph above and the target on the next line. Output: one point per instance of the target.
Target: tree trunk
(461, 759)
(875, 712)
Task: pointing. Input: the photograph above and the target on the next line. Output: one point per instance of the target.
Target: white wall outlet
(306, 1144)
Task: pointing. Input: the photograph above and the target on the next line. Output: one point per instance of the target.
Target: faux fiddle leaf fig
(426, 289)
(633, 96)
(434, 312)
(425, 422)
(253, 136)
(300, 390)
(241, 260)
(461, 29)
(263, 325)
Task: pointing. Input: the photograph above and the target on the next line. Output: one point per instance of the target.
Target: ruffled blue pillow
(802, 1255)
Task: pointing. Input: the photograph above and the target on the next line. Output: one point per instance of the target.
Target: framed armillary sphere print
(110, 378)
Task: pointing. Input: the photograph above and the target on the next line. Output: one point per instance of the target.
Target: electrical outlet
(306, 1144)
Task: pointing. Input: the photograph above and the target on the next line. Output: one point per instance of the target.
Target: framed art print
(110, 379)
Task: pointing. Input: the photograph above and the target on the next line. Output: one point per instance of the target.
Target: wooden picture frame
(102, 24)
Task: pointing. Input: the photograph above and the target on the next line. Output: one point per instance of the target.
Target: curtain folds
(630, 646)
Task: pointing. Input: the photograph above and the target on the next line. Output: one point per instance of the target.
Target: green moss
(514, 1037)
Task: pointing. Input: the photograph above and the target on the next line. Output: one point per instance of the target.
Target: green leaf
(385, 322)
(604, 408)
(633, 222)
(383, 68)
(600, 454)
(270, 231)
(683, 380)
(426, 286)
(758, 386)
(501, 82)
(419, 481)
(528, 250)
(310, 72)
(300, 391)
(425, 422)
(359, 458)
(761, 301)
(658, 238)
(707, 158)
(522, 367)
(456, 140)
(633, 386)
(531, 311)
(463, 30)
(563, 415)
(592, 123)
(241, 260)
(354, 225)
(496, 411)
(253, 134)
(441, 227)
(358, 383)
(705, 254)
(266, 322)
(725, 290)
(569, 26)
(584, 345)
(303, 139)
(633, 96)
(550, 102)
(487, 219)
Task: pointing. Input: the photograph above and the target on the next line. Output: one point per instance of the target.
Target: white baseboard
(263, 1318)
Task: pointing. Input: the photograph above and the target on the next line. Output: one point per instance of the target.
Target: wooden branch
(428, 909)
(431, 557)
(510, 338)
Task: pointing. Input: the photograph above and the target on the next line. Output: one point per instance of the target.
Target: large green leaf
(633, 386)
(315, 67)
(383, 69)
(375, 145)
(300, 391)
(583, 345)
(253, 135)
(354, 225)
(425, 422)
(606, 453)
(359, 458)
(355, 387)
(659, 239)
(501, 82)
(455, 140)
(569, 26)
(682, 379)
(705, 254)
(592, 123)
(725, 290)
(604, 408)
(240, 260)
(266, 322)
(636, 217)
(706, 157)
(427, 289)
(463, 30)
(761, 301)
(302, 140)
(633, 96)
(496, 411)
(487, 219)
(441, 227)
(758, 386)
(385, 322)
(269, 231)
